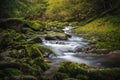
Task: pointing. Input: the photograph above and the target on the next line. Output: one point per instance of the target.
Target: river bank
(67, 51)
(103, 33)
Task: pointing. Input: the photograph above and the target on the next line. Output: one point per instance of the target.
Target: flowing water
(66, 50)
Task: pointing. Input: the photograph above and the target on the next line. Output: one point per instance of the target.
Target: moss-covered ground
(104, 32)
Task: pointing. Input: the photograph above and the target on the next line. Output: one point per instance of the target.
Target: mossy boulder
(37, 40)
(27, 30)
(13, 71)
(27, 60)
(12, 23)
(22, 25)
(55, 26)
(27, 50)
(56, 36)
(17, 53)
(82, 77)
(46, 51)
(23, 58)
(73, 71)
(60, 76)
(35, 25)
(33, 51)
(40, 62)
(18, 68)
(10, 38)
(83, 72)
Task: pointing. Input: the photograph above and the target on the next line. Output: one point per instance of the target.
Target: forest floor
(103, 33)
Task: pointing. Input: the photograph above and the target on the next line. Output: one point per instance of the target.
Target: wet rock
(100, 51)
(37, 40)
(69, 35)
(89, 48)
(79, 50)
(115, 52)
(47, 60)
(56, 36)
(12, 24)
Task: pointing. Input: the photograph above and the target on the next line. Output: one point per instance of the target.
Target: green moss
(13, 71)
(56, 36)
(37, 40)
(55, 26)
(60, 76)
(11, 38)
(82, 77)
(72, 69)
(28, 58)
(84, 72)
(26, 30)
(17, 53)
(35, 25)
(33, 51)
(105, 30)
(40, 62)
(28, 50)
(46, 51)
(22, 25)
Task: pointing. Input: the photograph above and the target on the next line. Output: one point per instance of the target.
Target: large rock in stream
(56, 36)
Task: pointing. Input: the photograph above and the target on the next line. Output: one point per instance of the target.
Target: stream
(66, 51)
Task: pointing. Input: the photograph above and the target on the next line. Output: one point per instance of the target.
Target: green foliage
(46, 51)
(84, 72)
(105, 30)
(26, 58)
(35, 25)
(37, 40)
(22, 25)
(21, 8)
(40, 62)
(12, 10)
(28, 50)
(82, 77)
(72, 69)
(60, 76)
(13, 38)
(110, 74)
(12, 23)
(79, 10)
(22, 58)
(33, 51)
(62, 10)
(28, 30)
(55, 26)
(13, 71)
(68, 9)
